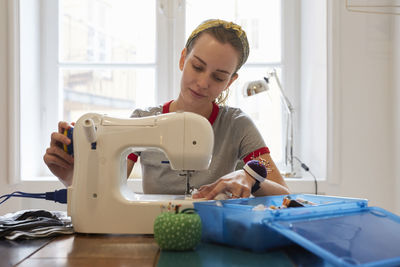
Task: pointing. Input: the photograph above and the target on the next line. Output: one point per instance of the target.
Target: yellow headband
(214, 23)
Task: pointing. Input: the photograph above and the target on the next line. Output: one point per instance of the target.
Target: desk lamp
(255, 87)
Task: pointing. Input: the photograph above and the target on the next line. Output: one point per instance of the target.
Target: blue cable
(59, 196)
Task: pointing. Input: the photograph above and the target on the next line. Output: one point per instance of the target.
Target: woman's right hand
(60, 163)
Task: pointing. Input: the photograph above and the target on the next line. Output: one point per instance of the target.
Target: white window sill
(304, 184)
(135, 184)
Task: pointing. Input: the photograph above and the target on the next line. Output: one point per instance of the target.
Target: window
(112, 56)
(104, 57)
(262, 23)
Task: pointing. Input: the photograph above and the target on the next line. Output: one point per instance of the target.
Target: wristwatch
(258, 171)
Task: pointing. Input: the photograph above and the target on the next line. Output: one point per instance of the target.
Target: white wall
(396, 101)
(3, 96)
(4, 70)
(367, 137)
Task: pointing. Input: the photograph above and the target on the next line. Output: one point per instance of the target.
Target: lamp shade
(255, 87)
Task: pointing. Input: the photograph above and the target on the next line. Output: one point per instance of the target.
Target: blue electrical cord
(59, 196)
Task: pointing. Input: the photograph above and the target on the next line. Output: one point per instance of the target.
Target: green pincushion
(178, 231)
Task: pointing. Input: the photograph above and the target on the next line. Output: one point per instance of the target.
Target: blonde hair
(224, 32)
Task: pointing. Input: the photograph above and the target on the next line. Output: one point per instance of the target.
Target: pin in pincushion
(178, 231)
(258, 171)
(257, 167)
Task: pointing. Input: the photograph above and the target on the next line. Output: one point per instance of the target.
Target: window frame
(173, 11)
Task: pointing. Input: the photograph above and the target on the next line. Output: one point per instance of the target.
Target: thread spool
(69, 148)
(90, 130)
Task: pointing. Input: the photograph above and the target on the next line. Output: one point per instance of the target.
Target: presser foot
(189, 188)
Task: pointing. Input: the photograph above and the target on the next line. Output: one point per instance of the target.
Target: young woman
(213, 54)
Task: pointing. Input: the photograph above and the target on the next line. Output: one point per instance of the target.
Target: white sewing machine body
(99, 200)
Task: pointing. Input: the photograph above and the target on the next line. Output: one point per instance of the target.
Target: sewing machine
(99, 200)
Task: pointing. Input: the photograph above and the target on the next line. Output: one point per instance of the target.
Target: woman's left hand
(236, 184)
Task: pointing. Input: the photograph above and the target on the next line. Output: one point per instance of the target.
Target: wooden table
(81, 250)
(138, 250)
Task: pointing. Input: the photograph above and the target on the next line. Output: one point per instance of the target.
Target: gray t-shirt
(235, 138)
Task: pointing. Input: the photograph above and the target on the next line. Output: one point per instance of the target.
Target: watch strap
(255, 187)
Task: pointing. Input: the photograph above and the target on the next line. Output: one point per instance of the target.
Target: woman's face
(207, 70)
